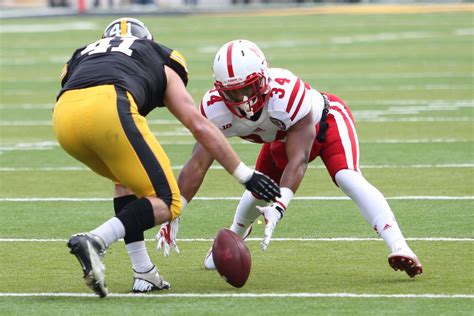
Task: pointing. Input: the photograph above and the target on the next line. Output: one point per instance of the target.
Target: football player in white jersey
(295, 124)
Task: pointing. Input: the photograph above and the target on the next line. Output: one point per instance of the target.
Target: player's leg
(72, 132)
(135, 243)
(110, 119)
(340, 154)
(141, 165)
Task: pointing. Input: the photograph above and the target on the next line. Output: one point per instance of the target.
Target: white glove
(166, 237)
(272, 215)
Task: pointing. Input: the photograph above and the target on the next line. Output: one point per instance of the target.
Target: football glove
(263, 186)
(272, 214)
(166, 237)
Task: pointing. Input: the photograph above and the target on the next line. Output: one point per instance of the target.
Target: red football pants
(339, 151)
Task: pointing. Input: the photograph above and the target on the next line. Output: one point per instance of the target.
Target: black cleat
(89, 250)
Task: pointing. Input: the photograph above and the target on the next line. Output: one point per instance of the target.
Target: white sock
(246, 213)
(139, 256)
(373, 207)
(110, 231)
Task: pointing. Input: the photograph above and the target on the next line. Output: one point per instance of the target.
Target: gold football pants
(101, 127)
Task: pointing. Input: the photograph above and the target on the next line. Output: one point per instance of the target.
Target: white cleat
(209, 261)
(405, 261)
(149, 281)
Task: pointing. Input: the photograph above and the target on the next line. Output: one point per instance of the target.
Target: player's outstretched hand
(166, 237)
(272, 215)
(263, 186)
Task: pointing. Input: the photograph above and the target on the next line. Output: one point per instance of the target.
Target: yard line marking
(418, 102)
(246, 295)
(49, 122)
(51, 145)
(187, 133)
(236, 198)
(334, 239)
(417, 166)
(42, 28)
(306, 76)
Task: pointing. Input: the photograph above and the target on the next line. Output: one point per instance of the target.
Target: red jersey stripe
(299, 105)
(293, 96)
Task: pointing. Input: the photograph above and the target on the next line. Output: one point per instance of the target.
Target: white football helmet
(241, 77)
(125, 27)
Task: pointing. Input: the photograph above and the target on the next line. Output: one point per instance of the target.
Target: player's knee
(122, 201)
(137, 216)
(346, 178)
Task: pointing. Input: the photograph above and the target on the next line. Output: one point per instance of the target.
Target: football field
(408, 78)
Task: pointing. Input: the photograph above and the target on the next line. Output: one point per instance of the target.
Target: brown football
(231, 257)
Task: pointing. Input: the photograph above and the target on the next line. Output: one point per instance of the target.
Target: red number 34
(279, 91)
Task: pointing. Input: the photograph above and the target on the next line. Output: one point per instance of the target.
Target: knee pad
(136, 217)
(122, 201)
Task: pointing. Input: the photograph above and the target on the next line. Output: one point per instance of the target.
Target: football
(231, 257)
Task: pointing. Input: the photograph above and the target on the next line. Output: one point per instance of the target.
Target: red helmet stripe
(230, 69)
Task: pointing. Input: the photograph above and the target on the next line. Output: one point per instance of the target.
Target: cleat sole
(401, 263)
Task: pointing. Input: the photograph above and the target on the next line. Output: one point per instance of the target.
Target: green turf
(408, 80)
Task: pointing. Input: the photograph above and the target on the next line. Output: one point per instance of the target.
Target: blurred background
(18, 8)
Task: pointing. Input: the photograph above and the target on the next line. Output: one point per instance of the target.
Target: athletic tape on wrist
(242, 173)
(286, 196)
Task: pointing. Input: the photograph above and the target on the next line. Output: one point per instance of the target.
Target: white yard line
(247, 295)
(306, 76)
(50, 145)
(418, 102)
(373, 118)
(302, 239)
(48, 28)
(236, 198)
(417, 166)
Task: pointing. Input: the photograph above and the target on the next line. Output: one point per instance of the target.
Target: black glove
(263, 186)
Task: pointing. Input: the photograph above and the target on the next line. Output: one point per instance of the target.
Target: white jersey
(290, 100)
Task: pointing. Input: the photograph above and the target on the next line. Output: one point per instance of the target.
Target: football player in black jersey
(108, 87)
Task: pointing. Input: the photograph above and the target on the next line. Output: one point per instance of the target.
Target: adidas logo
(387, 226)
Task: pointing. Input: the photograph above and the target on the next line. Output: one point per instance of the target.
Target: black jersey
(136, 65)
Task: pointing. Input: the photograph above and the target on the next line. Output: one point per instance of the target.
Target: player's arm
(299, 141)
(193, 172)
(181, 104)
(214, 146)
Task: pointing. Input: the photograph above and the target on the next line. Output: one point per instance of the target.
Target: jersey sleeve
(290, 98)
(213, 108)
(67, 68)
(178, 63)
(175, 60)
